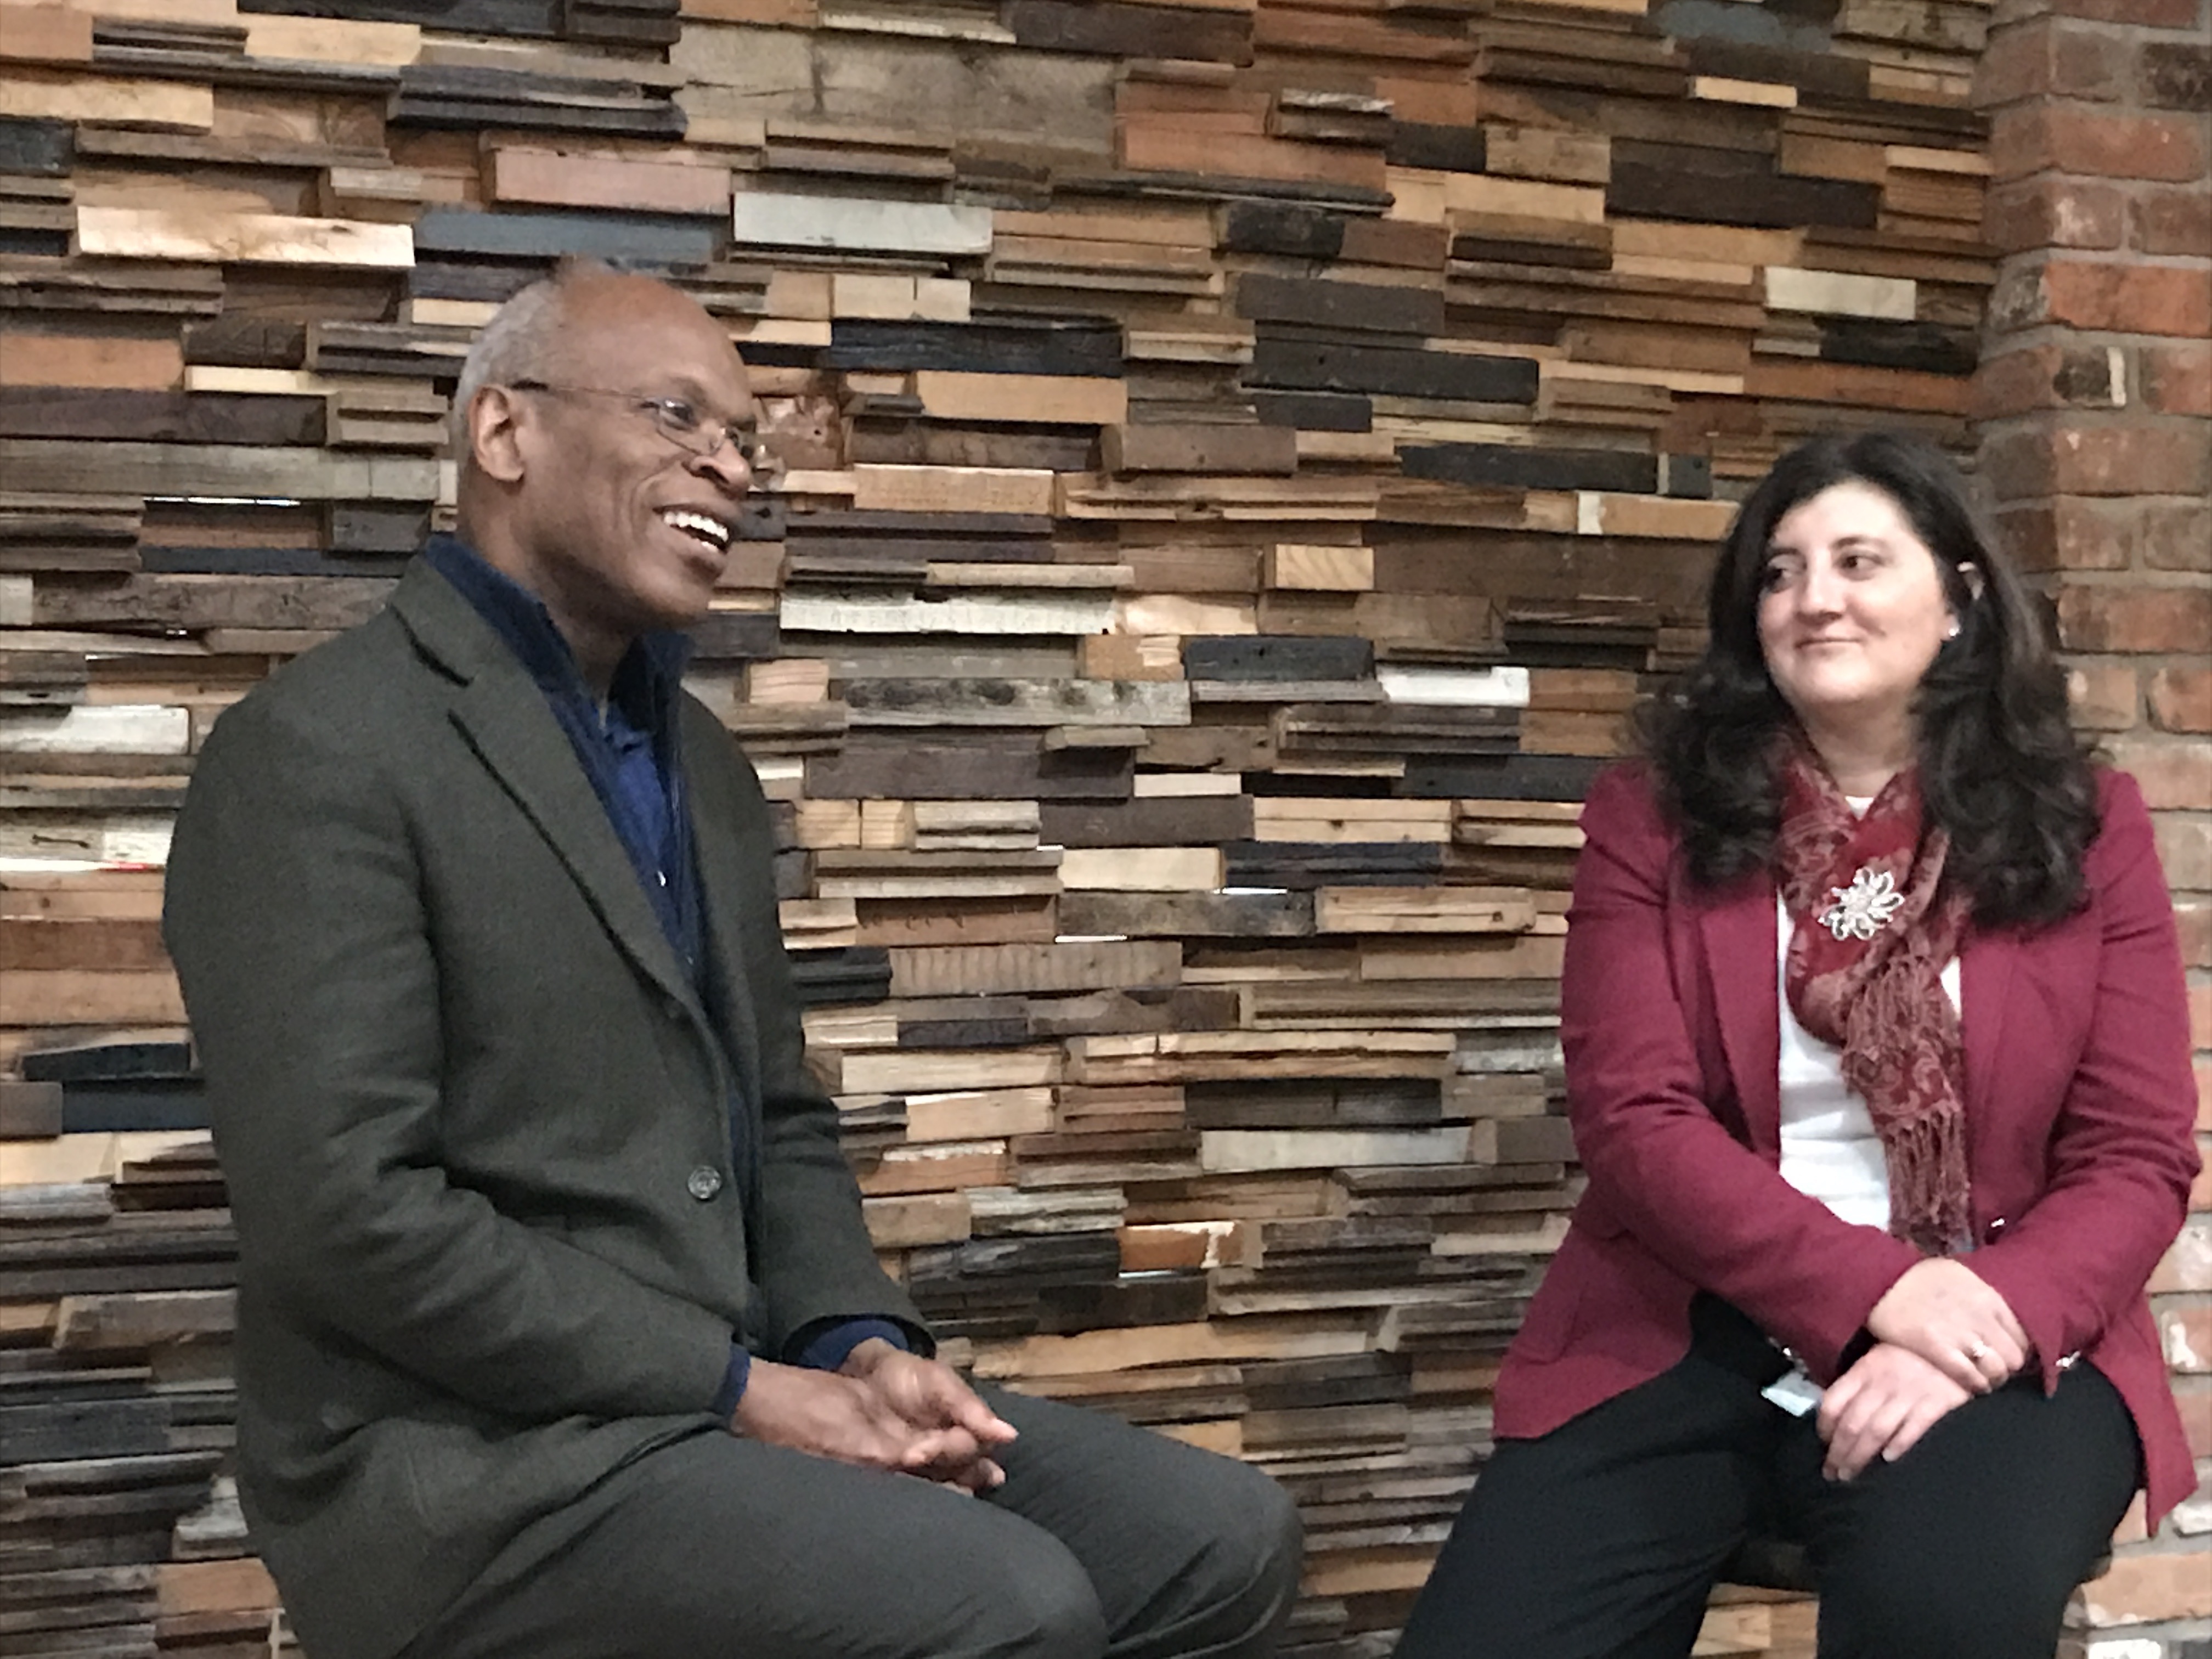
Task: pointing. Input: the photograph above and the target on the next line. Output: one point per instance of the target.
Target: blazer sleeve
(812, 1258)
(296, 916)
(2123, 1153)
(1661, 1163)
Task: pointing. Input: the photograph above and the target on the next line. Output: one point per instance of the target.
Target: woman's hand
(1944, 1312)
(1881, 1406)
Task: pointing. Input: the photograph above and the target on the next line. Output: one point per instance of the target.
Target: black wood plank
(1148, 821)
(160, 416)
(1301, 866)
(1687, 477)
(127, 1105)
(538, 18)
(1499, 777)
(1301, 233)
(1313, 366)
(1085, 345)
(1277, 656)
(1315, 411)
(43, 149)
(1113, 29)
(1729, 187)
(378, 527)
(1442, 149)
(736, 636)
(1371, 305)
(1929, 348)
(1513, 467)
(883, 768)
(638, 238)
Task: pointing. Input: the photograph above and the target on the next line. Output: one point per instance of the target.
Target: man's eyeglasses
(677, 419)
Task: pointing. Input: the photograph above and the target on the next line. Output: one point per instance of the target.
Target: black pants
(1600, 1540)
(1104, 1540)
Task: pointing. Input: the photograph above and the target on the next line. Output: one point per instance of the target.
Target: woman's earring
(1952, 632)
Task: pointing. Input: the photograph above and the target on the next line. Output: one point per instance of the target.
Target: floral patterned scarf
(1874, 928)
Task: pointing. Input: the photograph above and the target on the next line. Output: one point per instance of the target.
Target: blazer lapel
(503, 714)
(722, 888)
(1985, 971)
(1740, 936)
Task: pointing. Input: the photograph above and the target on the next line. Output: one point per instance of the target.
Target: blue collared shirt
(628, 747)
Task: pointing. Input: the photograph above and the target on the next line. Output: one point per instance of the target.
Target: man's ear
(495, 432)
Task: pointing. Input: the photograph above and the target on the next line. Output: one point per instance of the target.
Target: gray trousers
(1104, 1540)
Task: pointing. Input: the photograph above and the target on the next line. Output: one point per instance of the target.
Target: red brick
(2194, 923)
(2063, 138)
(2181, 699)
(2050, 57)
(2177, 535)
(2143, 1588)
(2177, 379)
(2173, 222)
(2187, 1264)
(2184, 851)
(2200, 1036)
(2133, 618)
(2133, 459)
(2175, 773)
(2194, 1395)
(2128, 299)
(2105, 697)
(2185, 1329)
(2175, 75)
(2045, 377)
(2068, 533)
(2049, 211)
(2151, 13)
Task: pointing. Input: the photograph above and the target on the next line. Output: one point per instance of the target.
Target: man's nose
(726, 466)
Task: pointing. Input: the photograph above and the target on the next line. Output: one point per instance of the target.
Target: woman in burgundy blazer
(1989, 1410)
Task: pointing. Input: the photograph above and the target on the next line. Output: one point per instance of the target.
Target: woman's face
(1852, 610)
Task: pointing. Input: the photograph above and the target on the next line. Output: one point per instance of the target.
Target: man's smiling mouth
(711, 531)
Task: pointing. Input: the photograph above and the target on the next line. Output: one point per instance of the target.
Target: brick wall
(2095, 396)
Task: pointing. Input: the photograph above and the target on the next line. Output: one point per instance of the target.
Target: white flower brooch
(1861, 909)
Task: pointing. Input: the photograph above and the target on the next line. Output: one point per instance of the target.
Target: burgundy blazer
(2080, 1105)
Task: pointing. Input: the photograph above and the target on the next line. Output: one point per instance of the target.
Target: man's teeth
(699, 524)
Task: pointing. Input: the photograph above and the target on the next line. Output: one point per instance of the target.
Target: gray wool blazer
(474, 1115)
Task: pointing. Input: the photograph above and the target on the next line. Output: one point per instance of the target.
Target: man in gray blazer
(560, 1334)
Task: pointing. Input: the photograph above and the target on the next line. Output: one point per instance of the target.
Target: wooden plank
(782, 219)
(58, 95)
(90, 361)
(1142, 869)
(241, 238)
(550, 178)
(45, 34)
(953, 396)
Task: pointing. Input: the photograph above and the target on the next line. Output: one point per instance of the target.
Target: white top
(1829, 1148)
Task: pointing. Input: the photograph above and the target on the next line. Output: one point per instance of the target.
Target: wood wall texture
(1239, 461)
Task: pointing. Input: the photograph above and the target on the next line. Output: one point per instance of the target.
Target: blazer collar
(503, 714)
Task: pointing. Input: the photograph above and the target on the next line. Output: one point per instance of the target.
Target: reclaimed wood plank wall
(1238, 460)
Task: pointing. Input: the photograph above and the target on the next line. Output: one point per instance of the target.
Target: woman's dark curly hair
(2000, 766)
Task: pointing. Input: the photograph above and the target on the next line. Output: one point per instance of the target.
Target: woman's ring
(1977, 1351)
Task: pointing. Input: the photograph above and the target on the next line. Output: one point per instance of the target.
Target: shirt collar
(646, 680)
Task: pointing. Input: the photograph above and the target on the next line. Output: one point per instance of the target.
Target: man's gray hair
(518, 342)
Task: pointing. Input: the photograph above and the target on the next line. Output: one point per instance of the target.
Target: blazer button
(704, 1182)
